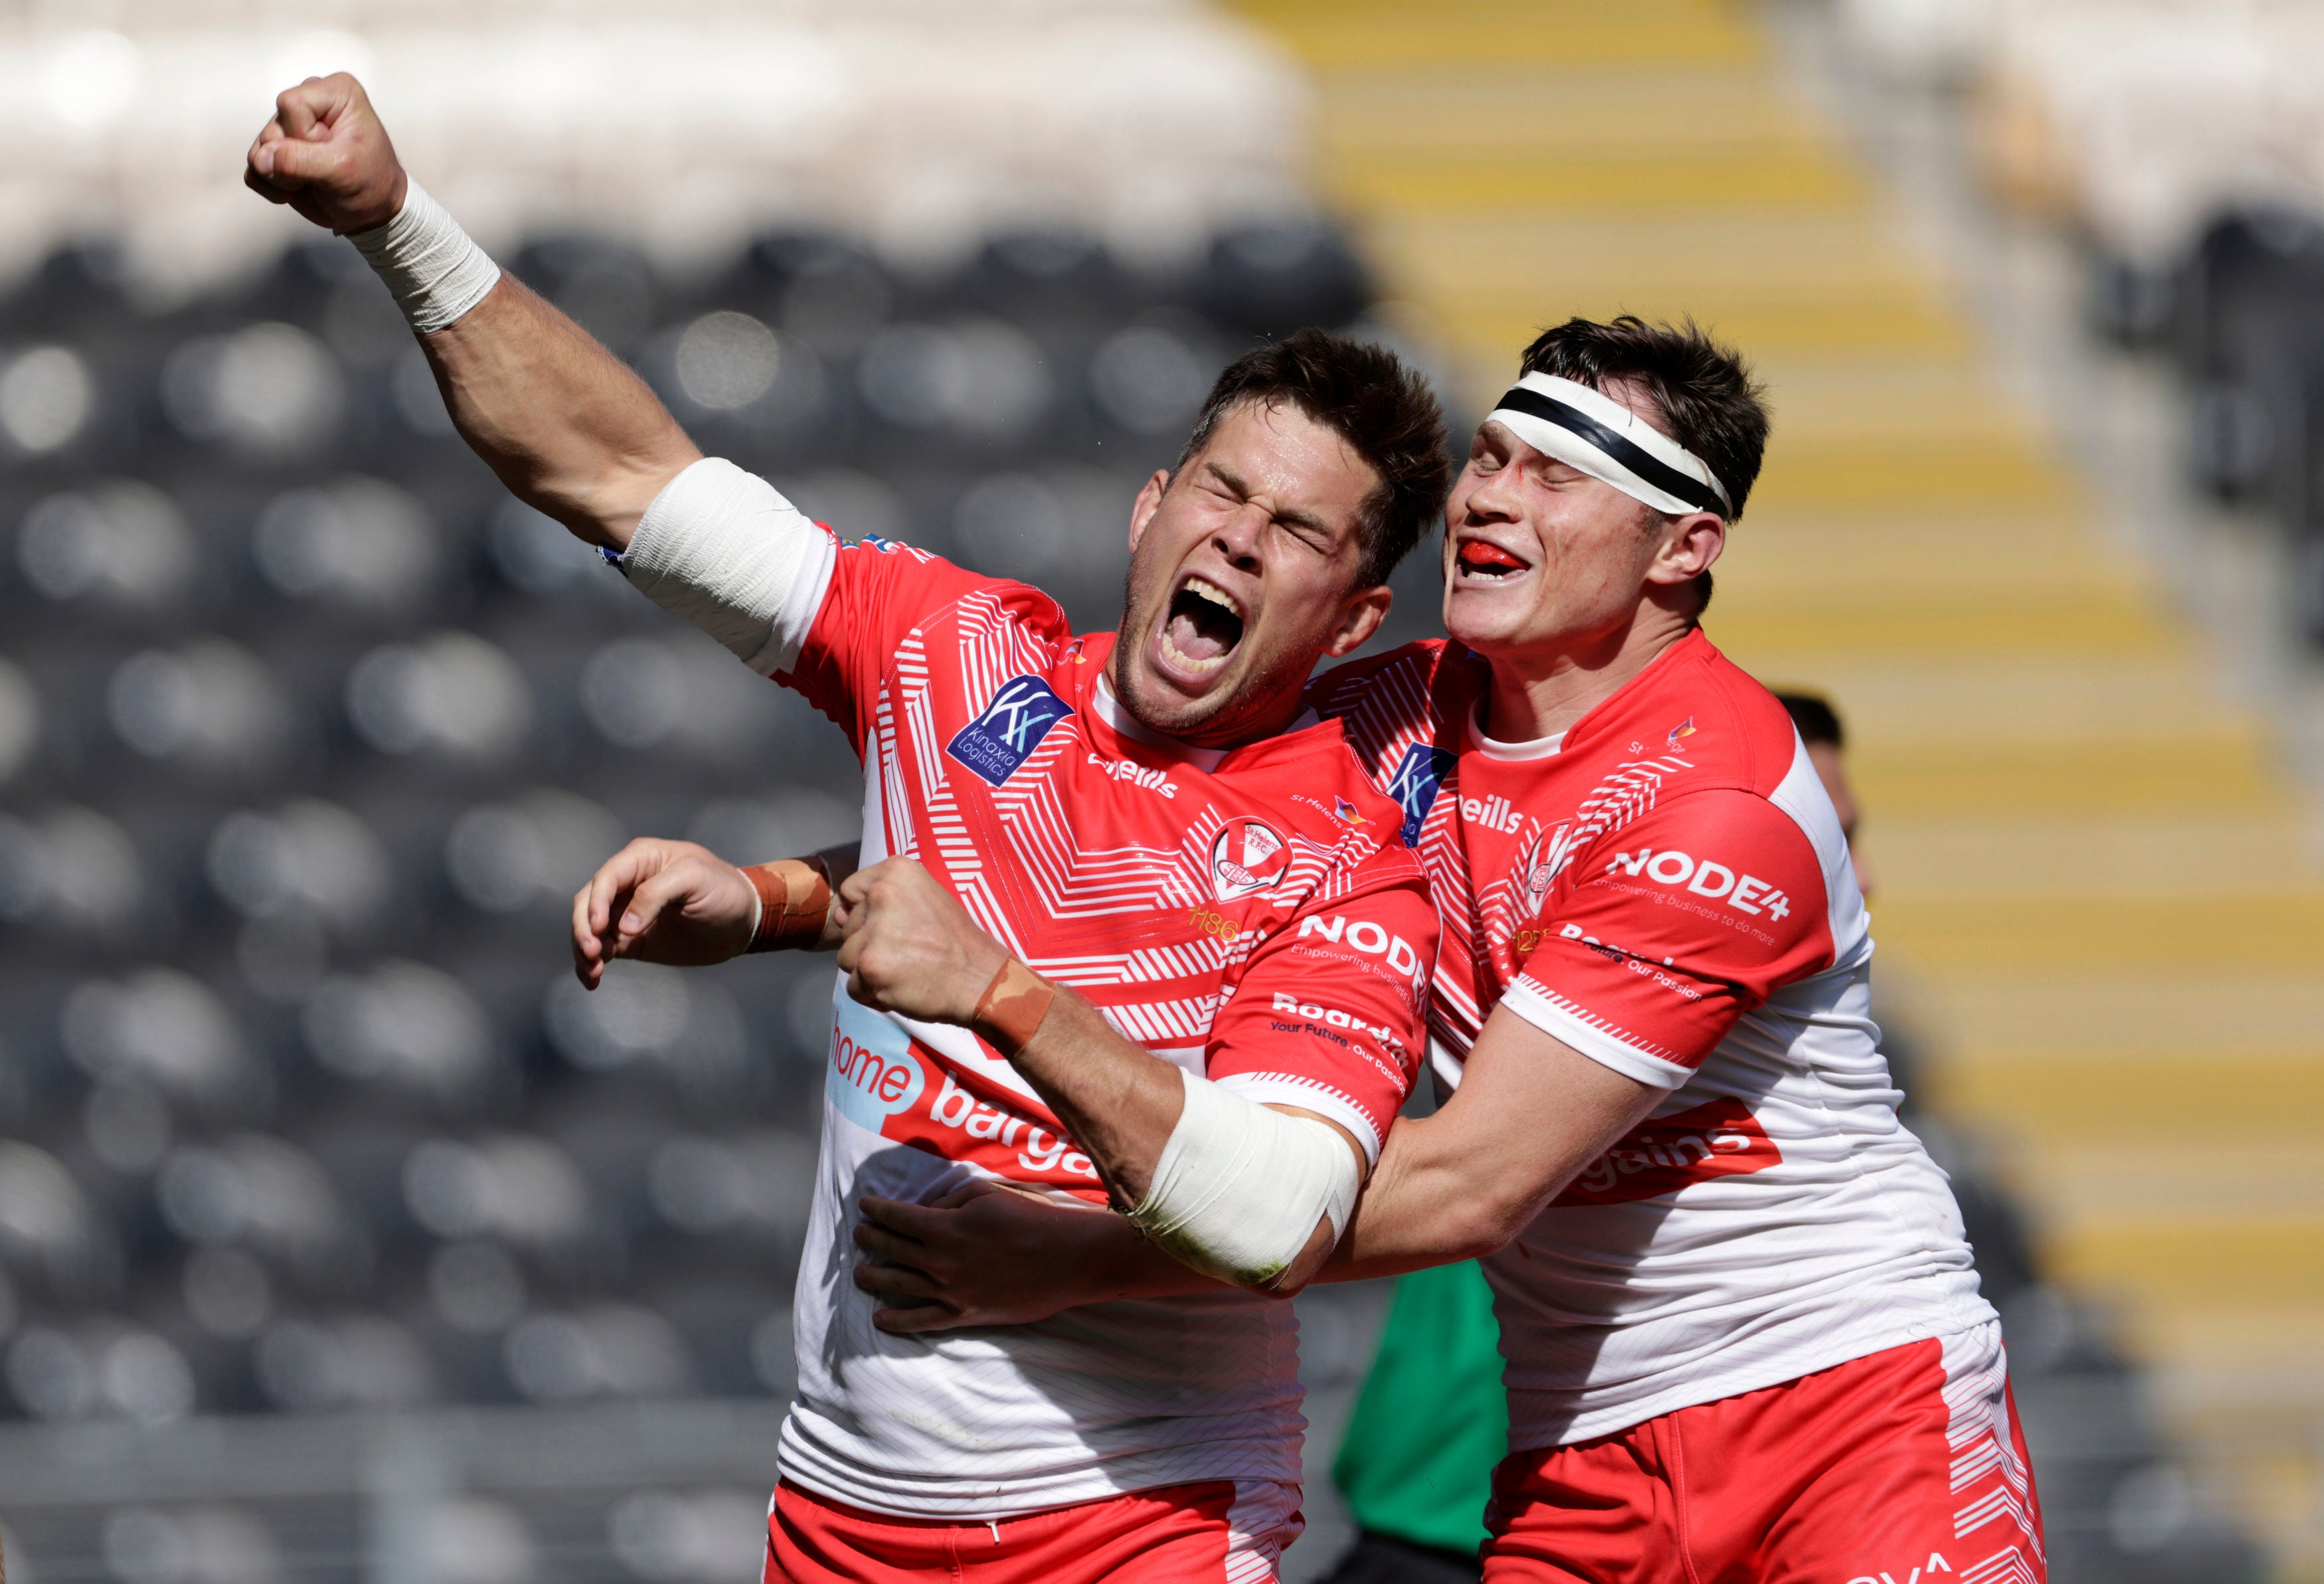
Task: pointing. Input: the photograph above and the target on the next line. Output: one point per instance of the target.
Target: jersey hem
(1590, 1427)
(1555, 1019)
(900, 1496)
(1275, 1089)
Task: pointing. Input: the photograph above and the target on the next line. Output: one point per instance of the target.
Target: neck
(1538, 692)
(1230, 729)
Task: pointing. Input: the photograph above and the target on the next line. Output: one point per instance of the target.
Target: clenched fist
(325, 154)
(668, 902)
(910, 947)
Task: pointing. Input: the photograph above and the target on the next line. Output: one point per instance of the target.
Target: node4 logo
(1416, 786)
(1012, 726)
(1249, 854)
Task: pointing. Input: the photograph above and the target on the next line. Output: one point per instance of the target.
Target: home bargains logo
(1417, 780)
(1249, 854)
(1012, 726)
(1722, 1139)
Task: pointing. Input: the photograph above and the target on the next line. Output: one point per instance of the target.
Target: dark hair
(1369, 398)
(1817, 720)
(1708, 402)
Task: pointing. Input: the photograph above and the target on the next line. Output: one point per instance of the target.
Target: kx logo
(1012, 726)
(1416, 786)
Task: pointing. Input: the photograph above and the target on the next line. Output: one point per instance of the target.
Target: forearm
(1268, 1226)
(570, 429)
(1119, 1102)
(1427, 1203)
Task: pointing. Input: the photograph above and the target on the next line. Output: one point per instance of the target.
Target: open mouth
(1202, 626)
(1479, 558)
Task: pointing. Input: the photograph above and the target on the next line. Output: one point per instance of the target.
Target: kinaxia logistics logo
(1249, 854)
(1012, 726)
(1712, 881)
(1418, 778)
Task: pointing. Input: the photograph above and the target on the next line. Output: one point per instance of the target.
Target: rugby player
(1740, 1322)
(1152, 834)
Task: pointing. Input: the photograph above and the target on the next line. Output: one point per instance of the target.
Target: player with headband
(1144, 848)
(1741, 1326)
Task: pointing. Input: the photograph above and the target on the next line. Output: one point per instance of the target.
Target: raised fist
(325, 154)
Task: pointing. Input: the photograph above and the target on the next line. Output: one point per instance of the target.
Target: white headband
(1588, 430)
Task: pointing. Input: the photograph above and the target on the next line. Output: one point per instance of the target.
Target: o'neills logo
(1722, 1139)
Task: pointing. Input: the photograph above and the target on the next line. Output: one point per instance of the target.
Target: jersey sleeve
(877, 593)
(1331, 1013)
(1705, 907)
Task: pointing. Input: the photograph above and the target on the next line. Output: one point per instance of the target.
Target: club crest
(1546, 858)
(1249, 854)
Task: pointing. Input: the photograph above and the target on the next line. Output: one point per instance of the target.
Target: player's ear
(1148, 501)
(1690, 545)
(1360, 615)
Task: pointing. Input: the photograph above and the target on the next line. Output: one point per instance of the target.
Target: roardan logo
(1249, 854)
(1012, 726)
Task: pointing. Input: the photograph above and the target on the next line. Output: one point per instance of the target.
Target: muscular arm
(1531, 1112)
(568, 428)
(912, 950)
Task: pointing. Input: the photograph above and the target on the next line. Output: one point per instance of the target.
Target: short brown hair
(1369, 398)
(1708, 402)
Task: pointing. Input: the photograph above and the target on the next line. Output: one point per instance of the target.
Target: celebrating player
(1740, 1323)
(1149, 832)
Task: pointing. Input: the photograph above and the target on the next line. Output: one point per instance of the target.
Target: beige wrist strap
(1010, 1013)
(794, 899)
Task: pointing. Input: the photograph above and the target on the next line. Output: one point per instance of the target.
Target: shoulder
(1411, 669)
(929, 590)
(1728, 728)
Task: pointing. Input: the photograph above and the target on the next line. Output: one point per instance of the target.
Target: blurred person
(1156, 821)
(1431, 1422)
(1740, 1322)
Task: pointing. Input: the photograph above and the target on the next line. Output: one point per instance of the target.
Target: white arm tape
(722, 549)
(435, 271)
(1239, 1189)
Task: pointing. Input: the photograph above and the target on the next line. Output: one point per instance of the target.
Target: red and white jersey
(1666, 889)
(1249, 915)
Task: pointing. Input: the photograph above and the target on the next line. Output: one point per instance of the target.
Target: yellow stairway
(2090, 881)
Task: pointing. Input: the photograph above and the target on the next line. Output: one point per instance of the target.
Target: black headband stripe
(1628, 453)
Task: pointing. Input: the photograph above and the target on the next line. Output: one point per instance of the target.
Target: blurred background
(342, 1237)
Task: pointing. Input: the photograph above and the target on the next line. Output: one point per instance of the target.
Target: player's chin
(1486, 617)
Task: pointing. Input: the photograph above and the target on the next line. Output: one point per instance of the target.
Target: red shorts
(1223, 1532)
(1896, 1469)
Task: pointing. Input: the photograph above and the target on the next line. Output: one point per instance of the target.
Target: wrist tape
(1010, 1012)
(429, 265)
(794, 898)
(1239, 1188)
